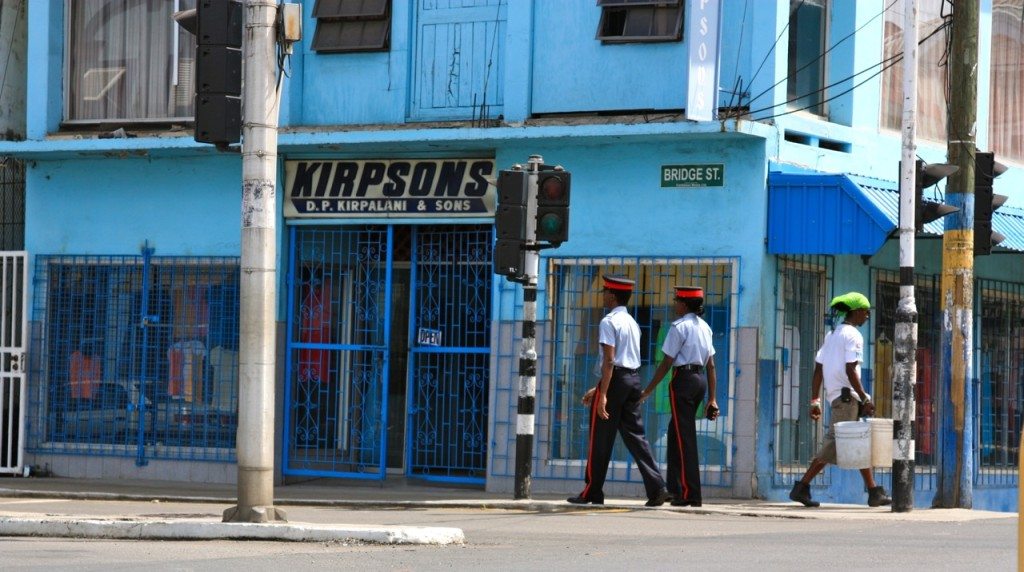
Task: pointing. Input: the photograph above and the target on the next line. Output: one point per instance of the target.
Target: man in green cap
(837, 367)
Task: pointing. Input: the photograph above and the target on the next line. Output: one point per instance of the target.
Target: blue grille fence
(803, 288)
(568, 353)
(138, 356)
(999, 388)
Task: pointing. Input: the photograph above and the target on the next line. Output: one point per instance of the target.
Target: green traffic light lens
(551, 223)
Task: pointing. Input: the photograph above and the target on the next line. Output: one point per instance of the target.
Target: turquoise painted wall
(111, 206)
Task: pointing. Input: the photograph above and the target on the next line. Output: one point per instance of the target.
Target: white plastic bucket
(881, 442)
(853, 444)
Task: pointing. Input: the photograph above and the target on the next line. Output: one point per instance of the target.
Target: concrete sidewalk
(81, 516)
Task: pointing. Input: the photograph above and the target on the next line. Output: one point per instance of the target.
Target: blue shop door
(336, 371)
(458, 60)
(449, 365)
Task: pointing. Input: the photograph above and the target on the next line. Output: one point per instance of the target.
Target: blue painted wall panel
(573, 71)
(111, 206)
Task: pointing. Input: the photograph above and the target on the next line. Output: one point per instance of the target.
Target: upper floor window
(640, 21)
(352, 25)
(1006, 100)
(127, 60)
(931, 73)
(808, 30)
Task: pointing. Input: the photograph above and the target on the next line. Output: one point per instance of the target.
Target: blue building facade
(398, 346)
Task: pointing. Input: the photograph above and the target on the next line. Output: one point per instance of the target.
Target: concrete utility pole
(956, 435)
(528, 354)
(905, 344)
(258, 338)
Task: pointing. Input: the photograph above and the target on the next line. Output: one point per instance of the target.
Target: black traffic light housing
(217, 26)
(927, 175)
(510, 224)
(553, 206)
(986, 169)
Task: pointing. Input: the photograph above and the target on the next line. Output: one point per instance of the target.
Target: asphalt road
(515, 540)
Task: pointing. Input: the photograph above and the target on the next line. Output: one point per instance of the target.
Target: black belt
(690, 367)
(628, 370)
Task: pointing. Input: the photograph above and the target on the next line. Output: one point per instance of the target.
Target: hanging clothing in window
(86, 372)
(186, 362)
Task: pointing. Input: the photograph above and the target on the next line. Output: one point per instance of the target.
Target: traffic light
(986, 169)
(217, 26)
(510, 224)
(553, 206)
(926, 175)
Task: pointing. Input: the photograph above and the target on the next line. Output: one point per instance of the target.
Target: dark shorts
(840, 412)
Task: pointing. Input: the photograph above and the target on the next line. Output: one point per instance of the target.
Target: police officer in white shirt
(837, 367)
(690, 353)
(615, 402)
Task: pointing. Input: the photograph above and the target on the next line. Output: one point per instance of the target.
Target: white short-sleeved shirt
(689, 341)
(841, 346)
(619, 330)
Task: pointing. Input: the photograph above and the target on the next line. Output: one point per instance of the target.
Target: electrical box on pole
(217, 26)
(986, 169)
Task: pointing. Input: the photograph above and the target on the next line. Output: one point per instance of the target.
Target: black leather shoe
(584, 500)
(659, 499)
(681, 502)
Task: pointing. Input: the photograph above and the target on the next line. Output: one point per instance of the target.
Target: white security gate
(13, 326)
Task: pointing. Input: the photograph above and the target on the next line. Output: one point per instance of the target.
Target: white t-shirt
(841, 346)
(619, 330)
(689, 341)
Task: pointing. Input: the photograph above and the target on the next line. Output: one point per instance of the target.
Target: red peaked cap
(689, 292)
(618, 283)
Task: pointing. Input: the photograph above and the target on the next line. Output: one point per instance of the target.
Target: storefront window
(138, 348)
(931, 73)
(576, 311)
(127, 60)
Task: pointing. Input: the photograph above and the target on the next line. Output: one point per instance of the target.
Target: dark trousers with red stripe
(623, 418)
(686, 391)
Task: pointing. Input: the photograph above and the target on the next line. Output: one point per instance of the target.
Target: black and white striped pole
(905, 342)
(525, 412)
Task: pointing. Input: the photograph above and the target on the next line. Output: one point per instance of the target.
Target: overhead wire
(886, 63)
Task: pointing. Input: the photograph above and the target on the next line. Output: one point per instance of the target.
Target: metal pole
(905, 343)
(528, 353)
(957, 289)
(258, 337)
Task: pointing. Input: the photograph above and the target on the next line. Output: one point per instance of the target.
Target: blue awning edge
(804, 210)
(823, 213)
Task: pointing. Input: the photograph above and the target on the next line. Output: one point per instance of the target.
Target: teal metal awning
(820, 213)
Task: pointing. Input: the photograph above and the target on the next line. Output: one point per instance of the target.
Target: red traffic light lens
(552, 189)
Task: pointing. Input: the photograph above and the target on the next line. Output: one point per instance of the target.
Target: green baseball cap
(852, 301)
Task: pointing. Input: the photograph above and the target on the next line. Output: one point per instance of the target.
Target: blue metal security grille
(998, 394)
(139, 356)
(803, 288)
(882, 343)
(339, 321)
(574, 294)
(450, 363)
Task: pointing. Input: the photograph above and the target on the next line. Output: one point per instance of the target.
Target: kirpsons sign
(398, 188)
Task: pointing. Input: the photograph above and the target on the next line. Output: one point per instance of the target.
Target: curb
(135, 529)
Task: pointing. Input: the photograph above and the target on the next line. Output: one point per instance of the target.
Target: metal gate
(388, 351)
(450, 362)
(336, 370)
(13, 324)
